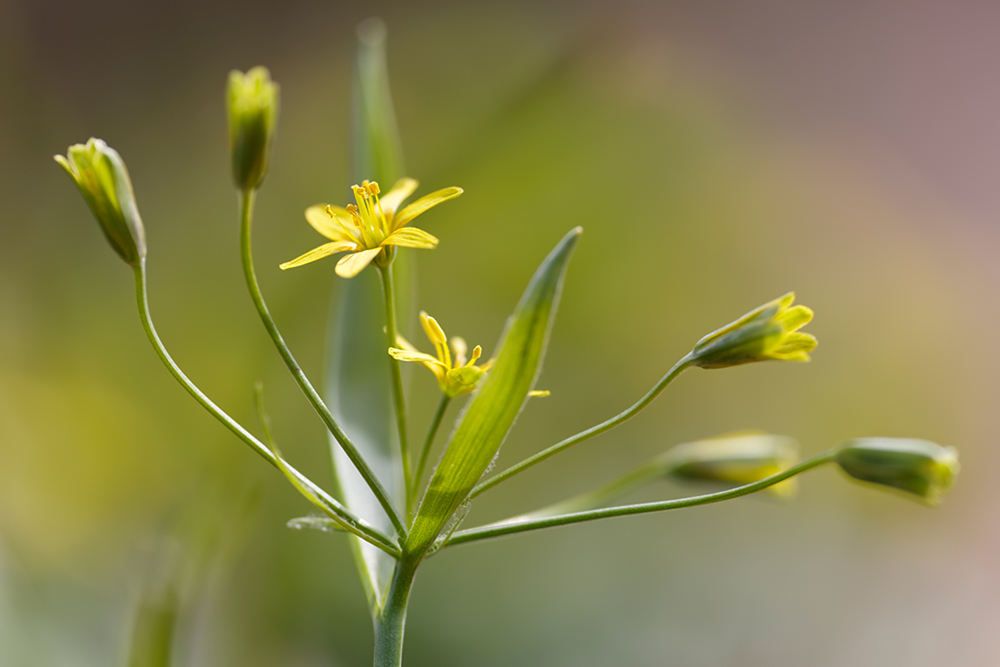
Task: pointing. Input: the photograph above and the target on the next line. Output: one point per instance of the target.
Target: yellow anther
(372, 187)
(477, 352)
(360, 191)
(329, 212)
(434, 330)
(539, 393)
(351, 208)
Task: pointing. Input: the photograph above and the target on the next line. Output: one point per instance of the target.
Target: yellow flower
(768, 332)
(455, 374)
(373, 224)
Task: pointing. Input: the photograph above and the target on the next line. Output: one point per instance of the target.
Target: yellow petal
(435, 365)
(423, 204)
(795, 317)
(410, 355)
(351, 265)
(322, 251)
(320, 220)
(411, 237)
(392, 199)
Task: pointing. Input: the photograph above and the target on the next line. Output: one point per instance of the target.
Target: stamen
(477, 352)
(372, 187)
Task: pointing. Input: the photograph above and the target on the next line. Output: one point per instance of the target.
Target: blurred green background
(717, 154)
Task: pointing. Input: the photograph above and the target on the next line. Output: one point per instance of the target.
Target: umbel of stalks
(252, 102)
(101, 176)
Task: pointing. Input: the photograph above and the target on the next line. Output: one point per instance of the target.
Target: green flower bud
(252, 100)
(919, 467)
(103, 180)
(768, 332)
(736, 459)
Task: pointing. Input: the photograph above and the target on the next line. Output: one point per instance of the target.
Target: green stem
(391, 622)
(246, 217)
(630, 481)
(429, 441)
(397, 380)
(518, 526)
(677, 369)
(336, 511)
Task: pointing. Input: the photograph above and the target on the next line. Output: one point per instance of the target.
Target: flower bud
(768, 332)
(103, 180)
(736, 459)
(252, 101)
(919, 467)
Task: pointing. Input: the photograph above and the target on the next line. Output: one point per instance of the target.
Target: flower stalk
(388, 294)
(246, 222)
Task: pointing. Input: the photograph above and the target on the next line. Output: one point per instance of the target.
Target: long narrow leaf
(358, 381)
(493, 410)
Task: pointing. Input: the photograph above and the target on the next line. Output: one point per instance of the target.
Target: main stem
(397, 379)
(246, 218)
(391, 623)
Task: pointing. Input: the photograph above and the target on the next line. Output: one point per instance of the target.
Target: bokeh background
(717, 154)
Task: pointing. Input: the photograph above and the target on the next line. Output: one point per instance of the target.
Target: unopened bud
(918, 467)
(737, 459)
(103, 180)
(252, 101)
(768, 332)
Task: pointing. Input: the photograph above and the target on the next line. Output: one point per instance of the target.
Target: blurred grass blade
(358, 382)
(495, 406)
(155, 625)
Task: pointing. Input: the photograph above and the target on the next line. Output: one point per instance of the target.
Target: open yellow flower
(456, 375)
(371, 225)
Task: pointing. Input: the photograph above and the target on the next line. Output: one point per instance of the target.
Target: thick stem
(397, 379)
(429, 442)
(246, 217)
(391, 623)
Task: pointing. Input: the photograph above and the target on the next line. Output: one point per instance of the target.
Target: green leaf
(496, 404)
(358, 383)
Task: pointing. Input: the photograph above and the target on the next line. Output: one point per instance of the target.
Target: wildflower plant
(394, 519)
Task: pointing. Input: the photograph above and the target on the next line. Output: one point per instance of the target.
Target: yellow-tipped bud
(738, 459)
(101, 176)
(919, 467)
(768, 332)
(252, 101)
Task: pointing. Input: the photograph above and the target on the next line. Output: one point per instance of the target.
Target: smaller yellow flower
(455, 374)
(372, 224)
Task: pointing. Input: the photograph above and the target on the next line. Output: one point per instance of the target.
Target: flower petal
(393, 199)
(320, 220)
(423, 204)
(351, 265)
(411, 237)
(794, 347)
(409, 355)
(795, 317)
(320, 252)
(435, 365)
